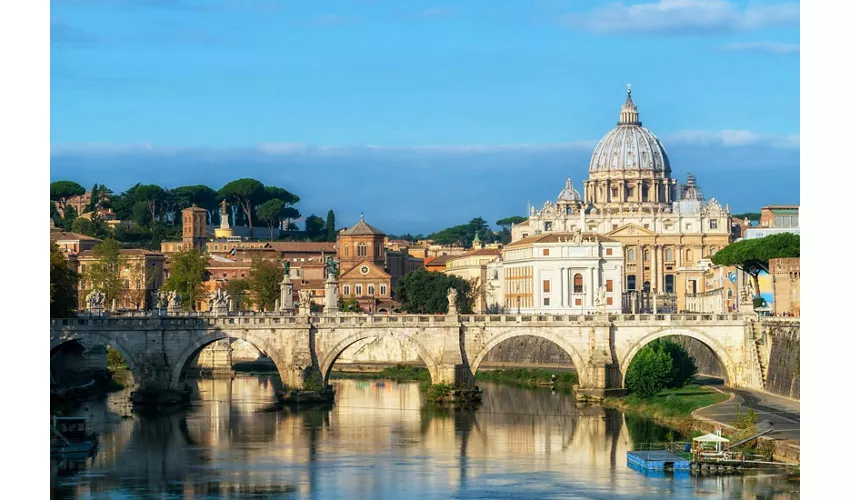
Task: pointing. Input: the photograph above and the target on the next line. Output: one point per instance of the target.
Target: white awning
(711, 438)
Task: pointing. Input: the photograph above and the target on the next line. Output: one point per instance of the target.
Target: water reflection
(379, 441)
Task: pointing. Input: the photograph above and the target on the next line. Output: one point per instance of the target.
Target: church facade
(631, 196)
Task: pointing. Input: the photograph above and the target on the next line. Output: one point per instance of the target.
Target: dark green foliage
(62, 191)
(330, 226)
(314, 228)
(464, 234)
(264, 283)
(247, 193)
(662, 364)
(164, 232)
(114, 359)
(349, 305)
(63, 281)
(104, 274)
(186, 276)
(151, 195)
(529, 377)
(426, 292)
(203, 196)
(753, 256)
(684, 367)
(95, 197)
(649, 372)
(134, 234)
(269, 212)
(507, 221)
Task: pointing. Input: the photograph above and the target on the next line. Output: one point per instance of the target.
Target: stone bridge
(601, 346)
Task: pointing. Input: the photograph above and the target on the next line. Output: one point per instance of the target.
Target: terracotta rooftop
(441, 260)
(304, 246)
(63, 235)
(561, 238)
(361, 228)
(472, 253)
(127, 252)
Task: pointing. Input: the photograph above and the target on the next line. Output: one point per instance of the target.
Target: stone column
(286, 304)
(653, 284)
(655, 303)
(331, 295)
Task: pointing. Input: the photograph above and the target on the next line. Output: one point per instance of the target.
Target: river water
(378, 442)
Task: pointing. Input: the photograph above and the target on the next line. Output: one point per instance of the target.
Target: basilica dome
(569, 194)
(629, 146)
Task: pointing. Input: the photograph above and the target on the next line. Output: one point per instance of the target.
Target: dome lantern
(628, 111)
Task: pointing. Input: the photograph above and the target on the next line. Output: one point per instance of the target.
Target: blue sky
(422, 114)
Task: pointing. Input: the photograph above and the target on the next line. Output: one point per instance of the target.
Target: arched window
(631, 255)
(713, 250)
(346, 250)
(668, 255)
(578, 283)
(646, 255)
(361, 249)
(689, 255)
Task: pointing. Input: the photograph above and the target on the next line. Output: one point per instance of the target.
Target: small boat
(69, 437)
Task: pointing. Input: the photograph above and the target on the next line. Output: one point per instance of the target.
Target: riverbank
(398, 373)
(530, 378)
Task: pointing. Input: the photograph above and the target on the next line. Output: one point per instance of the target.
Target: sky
(422, 114)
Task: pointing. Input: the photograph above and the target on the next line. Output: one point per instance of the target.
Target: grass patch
(529, 378)
(398, 373)
(669, 403)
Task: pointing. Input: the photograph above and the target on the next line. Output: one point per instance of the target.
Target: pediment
(373, 271)
(630, 230)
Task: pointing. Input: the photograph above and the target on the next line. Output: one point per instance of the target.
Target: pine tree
(330, 223)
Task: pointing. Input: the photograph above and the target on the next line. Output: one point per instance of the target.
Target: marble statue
(220, 298)
(95, 299)
(452, 296)
(174, 301)
(601, 299)
(162, 299)
(304, 297)
(577, 237)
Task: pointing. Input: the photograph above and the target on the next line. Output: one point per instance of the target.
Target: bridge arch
(544, 333)
(89, 340)
(200, 341)
(722, 354)
(327, 360)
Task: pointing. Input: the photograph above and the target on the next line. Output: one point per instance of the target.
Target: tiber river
(378, 442)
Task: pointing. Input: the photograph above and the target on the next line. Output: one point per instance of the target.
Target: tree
(269, 212)
(152, 195)
(464, 234)
(239, 292)
(83, 226)
(186, 276)
(426, 292)
(753, 256)
(203, 196)
(62, 191)
(314, 227)
(264, 283)
(247, 193)
(509, 221)
(349, 305)
(684, 367)
(330, 226)
(649, 372)
(63, 281)
(104, 273)
(95, 195)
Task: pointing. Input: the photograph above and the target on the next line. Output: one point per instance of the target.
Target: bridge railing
(353, 319)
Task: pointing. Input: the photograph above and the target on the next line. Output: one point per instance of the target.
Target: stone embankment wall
(781, 341)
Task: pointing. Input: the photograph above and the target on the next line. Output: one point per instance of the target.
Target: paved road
(784, 413)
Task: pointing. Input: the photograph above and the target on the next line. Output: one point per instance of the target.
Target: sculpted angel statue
(452, 296)
(600, 296)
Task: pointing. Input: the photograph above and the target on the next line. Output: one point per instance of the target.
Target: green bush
(114, 359)
(650, 372)
(438, 392)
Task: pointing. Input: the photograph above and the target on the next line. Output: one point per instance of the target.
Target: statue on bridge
(331, 268)
(577, 237)
(95, 300)
(452, 296)
(601, 298)
(174, 303)
(304, 298)
(220, 301)
(162, 300)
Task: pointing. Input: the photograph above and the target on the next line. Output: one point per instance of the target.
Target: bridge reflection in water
(377, 442)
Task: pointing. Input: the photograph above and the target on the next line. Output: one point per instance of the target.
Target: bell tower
(194, 228)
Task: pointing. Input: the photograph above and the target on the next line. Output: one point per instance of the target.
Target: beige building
(141, 272)
(558, 273)
(72, 243)
(630, 197)
(786, 286)
(472, 266)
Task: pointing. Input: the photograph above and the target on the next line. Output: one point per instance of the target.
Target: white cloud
(733, 138)
(770, 47)
(688, 17)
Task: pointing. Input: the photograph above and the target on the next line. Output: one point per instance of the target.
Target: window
(689, 255)
(646, 255)
(346, 290)
(370, 289)
(225, 248)
(609, 301)
(646, 226)
(547, 226)
(525, 235)
(361, 249)
(546, 301)
(609, 286)
(616, 226)
(631, 255)
(669, 281)
(609, 251)
(688, 226)
(629, 192)
(668, 255)
(578, 283)
(614, 193)
(578, 302)
(216, 248)
(712, 224)
(713, 250)
(546, 286)
(631, 283)
(383, 289)
(346, 250)
(545, 251)
(358, 289)
(224, 275)
(668, 226)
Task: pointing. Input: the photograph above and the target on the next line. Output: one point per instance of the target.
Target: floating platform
(658, 460)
